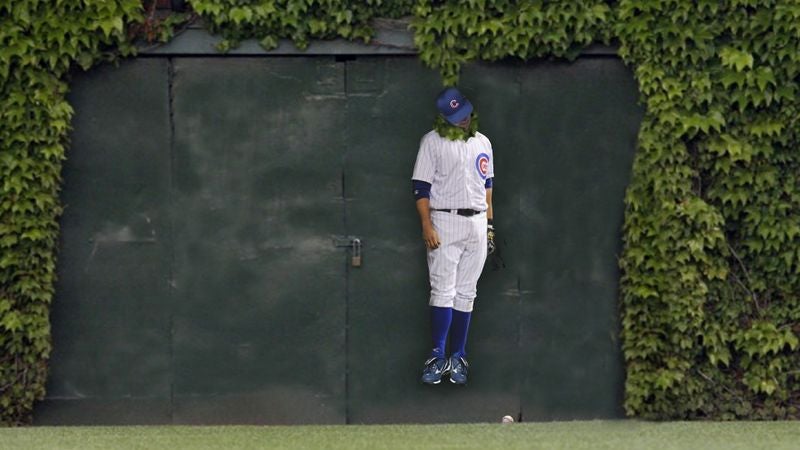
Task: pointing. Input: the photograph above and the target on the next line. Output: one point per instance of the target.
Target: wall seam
(520, 380)
(347, 286)
(171, 202)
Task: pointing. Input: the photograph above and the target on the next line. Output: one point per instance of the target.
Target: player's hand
(430, 237)
(490, 239)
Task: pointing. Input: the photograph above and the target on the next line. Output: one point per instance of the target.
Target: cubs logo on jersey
(482, 165)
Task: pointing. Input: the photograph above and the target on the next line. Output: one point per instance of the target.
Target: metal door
(582, 120)
(259, 287)
(111, 359)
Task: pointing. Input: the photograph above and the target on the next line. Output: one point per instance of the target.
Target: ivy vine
(41, 42)
(298, 20)
(451, 33)
(710, 287)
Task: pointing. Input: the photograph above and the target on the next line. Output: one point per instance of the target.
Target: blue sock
(440, 324)
(458, 333)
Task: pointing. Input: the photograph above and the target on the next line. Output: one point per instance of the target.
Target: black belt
(461, 212)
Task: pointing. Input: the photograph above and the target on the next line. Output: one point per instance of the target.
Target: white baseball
(508, 419)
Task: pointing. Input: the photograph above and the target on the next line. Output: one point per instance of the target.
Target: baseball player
(452, 185)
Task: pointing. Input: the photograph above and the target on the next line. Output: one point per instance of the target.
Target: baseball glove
(493, 253)
(490, 239)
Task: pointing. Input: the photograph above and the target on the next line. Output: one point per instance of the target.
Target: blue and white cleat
(458, 370)
(435, 368)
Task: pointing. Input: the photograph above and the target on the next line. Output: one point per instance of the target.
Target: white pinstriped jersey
(456, 170)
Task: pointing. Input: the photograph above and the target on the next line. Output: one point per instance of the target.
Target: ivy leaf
(730, 78)
(764, 77)
(239, 15)
(85, 60)
(736, 59)
(268, 42)
(111, 25)
(11, 321)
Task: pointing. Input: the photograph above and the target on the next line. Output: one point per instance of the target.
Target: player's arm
(422, 194)
(489, 210)
(490, 217)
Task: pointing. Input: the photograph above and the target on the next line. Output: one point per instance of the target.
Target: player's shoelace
(460, 366)
(432, 366)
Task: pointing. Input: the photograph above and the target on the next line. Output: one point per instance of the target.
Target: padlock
(355, 260)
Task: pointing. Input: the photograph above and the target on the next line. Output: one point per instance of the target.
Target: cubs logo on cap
(453, 106)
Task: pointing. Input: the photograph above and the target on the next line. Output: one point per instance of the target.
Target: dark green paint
(111, 314)
(259, 318)
(259, 287)
(582, 122)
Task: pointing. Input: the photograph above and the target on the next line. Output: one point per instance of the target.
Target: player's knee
(466, 294)
(447, 292)
(463, 304)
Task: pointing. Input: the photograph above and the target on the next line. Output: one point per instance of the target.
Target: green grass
(552, 435)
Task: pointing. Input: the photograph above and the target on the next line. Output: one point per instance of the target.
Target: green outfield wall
(204, 268)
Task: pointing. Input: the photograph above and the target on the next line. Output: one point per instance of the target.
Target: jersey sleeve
(490, 152)
(425, 167)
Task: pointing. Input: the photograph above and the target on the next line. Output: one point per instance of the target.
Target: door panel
(259, 285)
(581, 122)
(111, 314)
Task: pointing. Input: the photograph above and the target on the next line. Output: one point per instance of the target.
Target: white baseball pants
(454, 267)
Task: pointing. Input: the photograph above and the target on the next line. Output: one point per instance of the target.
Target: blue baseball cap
(453, 106)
